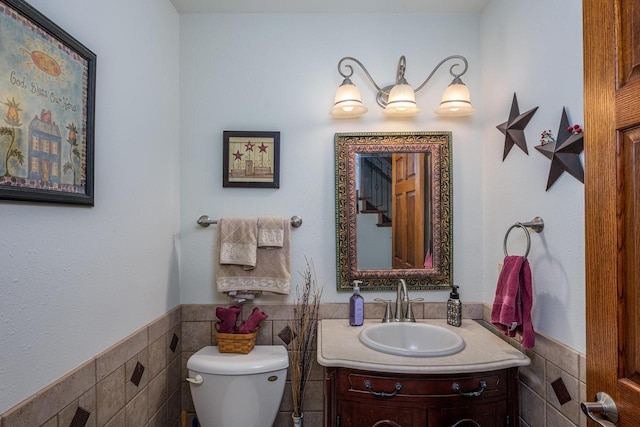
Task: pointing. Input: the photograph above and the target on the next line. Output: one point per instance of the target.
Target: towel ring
(537, 225)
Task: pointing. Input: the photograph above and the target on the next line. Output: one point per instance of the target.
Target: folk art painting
(251, 159)
(47, 90)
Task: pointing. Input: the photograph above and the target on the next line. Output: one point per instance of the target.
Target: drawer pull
(475, 393)
(367, 384)
(466, 423)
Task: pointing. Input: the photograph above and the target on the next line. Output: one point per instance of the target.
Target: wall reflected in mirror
(393, 216)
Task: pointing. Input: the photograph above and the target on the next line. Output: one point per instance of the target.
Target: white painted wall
(535, 50)
(279, 72)
(75, 280)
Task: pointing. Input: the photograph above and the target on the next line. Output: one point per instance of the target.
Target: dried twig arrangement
(303, 327)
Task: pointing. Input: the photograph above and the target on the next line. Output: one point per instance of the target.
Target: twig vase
(297, 421)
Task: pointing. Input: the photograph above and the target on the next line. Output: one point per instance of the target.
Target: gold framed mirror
(394, 210)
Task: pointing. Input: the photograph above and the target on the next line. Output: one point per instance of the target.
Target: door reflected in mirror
(393, 219)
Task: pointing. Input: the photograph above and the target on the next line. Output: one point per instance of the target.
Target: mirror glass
(393, 209)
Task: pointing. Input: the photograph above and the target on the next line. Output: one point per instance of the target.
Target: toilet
(233, 390)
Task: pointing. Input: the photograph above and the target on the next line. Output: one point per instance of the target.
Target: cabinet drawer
(420, 386)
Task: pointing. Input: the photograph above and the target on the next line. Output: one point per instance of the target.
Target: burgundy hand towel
(512, 305)
(255, 318)
(228, 318)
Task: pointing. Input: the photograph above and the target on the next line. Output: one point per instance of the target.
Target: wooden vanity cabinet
(355, 398)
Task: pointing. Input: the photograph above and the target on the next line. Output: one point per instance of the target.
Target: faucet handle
(387, 309)
(409, 317)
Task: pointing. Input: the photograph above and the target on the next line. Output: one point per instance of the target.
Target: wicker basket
(236, 343)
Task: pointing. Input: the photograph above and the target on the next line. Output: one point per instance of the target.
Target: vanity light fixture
(399, 100)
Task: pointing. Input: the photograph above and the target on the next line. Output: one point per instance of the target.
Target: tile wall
(139, 382)
(553, 385)
(136, 383)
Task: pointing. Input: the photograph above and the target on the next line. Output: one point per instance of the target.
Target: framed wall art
(47, 104)
(251, 159)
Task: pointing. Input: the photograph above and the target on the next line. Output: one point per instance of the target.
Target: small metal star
(564, 152)
(513, 128)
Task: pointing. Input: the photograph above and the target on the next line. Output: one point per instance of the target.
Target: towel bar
(536, 224)
(205, 221)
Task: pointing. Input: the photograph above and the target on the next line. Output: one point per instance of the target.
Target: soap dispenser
(356, 306)
(454, 308)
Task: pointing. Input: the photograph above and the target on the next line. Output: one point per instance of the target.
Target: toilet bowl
(238, 390)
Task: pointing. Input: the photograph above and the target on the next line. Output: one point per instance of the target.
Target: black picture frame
(251, 159)
(47, 79)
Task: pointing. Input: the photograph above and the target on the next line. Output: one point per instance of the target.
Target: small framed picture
(251, 159)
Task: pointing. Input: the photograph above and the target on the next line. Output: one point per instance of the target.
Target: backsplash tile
(196, 335)
(80, 418)
(560, 389)
(136, 376)
(110, 395)
(114, 357)
(174, 343)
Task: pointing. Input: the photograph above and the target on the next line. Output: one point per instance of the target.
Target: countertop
(339, 346)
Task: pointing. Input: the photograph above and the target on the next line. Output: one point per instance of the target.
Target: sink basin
(411, 339)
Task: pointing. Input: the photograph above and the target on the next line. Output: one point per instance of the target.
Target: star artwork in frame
(251, 159)
(563, 151)
(513, 129)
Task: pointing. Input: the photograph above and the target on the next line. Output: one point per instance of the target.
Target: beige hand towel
(272, 272)
(238, 241)
(270, 232)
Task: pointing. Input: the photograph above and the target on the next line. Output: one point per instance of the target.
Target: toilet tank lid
(263, 358)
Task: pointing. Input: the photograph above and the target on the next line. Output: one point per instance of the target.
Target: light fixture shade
(401, 101)
(456, 101)
(347, 102)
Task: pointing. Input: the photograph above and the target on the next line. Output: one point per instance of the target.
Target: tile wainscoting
(140, 381)
(553, 385)
(136, 382)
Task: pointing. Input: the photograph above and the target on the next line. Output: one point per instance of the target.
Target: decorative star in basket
(513, 129)
(564, 151)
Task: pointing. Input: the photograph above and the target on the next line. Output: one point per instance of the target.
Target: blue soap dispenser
(356, 306)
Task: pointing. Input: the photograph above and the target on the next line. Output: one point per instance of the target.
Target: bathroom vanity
(475, 386)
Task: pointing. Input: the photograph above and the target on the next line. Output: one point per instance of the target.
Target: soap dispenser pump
(454, 308)
(356, 306)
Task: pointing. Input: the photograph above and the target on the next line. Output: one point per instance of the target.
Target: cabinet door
(357, 414)
(493, 414)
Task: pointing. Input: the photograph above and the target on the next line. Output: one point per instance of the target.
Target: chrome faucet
(402, 296)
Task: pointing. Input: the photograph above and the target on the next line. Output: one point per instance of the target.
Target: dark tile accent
(80, 418)
(561, 391)
(137, 374)
(174, 343)
(286, 334)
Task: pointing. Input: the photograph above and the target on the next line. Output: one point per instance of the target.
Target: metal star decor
(513, 129)
(565, 151)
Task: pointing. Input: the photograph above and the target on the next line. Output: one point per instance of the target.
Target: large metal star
(564, 152)
(513, 128)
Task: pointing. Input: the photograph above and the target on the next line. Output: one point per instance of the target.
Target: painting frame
(49, 81)
(260, 169)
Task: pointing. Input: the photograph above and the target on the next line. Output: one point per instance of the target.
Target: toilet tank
(238, 389)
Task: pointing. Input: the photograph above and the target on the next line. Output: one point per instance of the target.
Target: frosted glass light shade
(456, 101)
(401, 102)
(347, 102)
